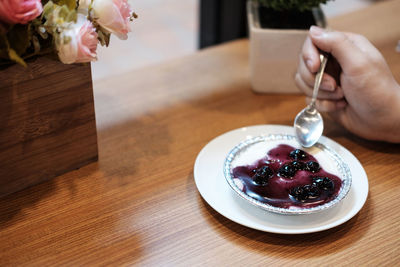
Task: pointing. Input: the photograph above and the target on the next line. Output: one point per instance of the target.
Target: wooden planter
(274, 54)
(47, 122)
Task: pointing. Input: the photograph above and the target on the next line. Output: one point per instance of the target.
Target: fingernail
(316, 31)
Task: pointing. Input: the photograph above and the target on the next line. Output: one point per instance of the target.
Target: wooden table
(138, 205)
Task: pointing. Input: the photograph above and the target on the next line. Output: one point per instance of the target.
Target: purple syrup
(278, 191)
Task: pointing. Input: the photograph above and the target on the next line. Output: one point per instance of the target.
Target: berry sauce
(288, 179)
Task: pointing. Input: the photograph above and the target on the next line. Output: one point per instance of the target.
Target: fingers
(305, 77)
(337, 94)
(343, 46)
(305, 80)
(328, 82)
(329, 105)
(310, 56)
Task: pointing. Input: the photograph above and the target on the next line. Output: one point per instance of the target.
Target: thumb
(339, 44)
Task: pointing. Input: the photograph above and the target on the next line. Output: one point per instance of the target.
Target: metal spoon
(308, 123)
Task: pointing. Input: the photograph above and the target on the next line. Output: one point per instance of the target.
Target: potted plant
(278, 29)
(47, 122)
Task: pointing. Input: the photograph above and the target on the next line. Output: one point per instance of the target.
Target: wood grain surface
(47, 122)
(138, 205)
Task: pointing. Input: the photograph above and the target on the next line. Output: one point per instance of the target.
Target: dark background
(221, 21)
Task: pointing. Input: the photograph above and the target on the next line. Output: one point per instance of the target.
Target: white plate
(211, 183)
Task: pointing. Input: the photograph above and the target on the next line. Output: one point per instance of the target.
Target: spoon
(308, 123)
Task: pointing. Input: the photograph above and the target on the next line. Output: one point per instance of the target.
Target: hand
(359, 91)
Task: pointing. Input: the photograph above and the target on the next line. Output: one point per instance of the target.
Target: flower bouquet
(47, 108)
(72, 29)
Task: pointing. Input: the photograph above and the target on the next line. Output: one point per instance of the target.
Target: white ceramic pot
(274, 55)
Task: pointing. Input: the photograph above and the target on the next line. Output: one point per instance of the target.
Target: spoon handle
(318, 79)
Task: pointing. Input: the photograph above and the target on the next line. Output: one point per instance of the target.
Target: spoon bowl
(308, 123)
(309, 126)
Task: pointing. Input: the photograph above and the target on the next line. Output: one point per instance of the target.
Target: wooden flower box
(47, 122)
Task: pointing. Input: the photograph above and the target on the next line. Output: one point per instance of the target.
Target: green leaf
(57, 19)
(48, 9)
(64, 12)
(104, 37)
(19, 38)
(71, 4)
(3, 46)
(55, 14)
(36, 44)
(15, 57)
(71, 16)
(8, 53)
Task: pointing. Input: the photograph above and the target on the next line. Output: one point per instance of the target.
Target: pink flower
(81, 46)
(113, 16)
(19, 11)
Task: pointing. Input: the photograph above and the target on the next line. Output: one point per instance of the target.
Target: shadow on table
(12, 206)
(15, 206)
(143, 137)
(379, 147)
(335, 131)
(324, 243)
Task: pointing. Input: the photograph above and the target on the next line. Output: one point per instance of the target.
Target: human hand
(362, 95)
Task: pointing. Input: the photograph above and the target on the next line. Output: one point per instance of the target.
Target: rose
(19, 11)
(81, 43)
(113, 16)
(78, 44)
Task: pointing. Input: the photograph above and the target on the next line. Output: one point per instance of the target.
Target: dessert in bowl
(274, 173)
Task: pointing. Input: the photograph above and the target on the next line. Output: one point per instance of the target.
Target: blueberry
(287, 171)
(312, 166)
(312, 190)
(262, 174)
(299, 193)
(318, 180)
(298, 165)
(297, 154)
(324, 183)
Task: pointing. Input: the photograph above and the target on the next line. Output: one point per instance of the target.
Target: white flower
(78, 43)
